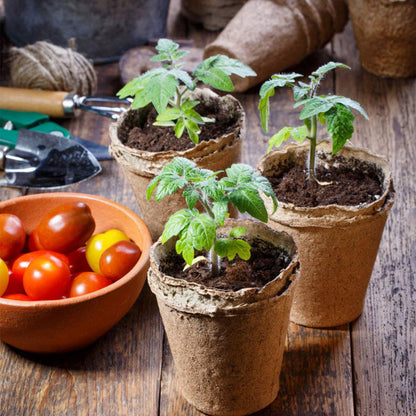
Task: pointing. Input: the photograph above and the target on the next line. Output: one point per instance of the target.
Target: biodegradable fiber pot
(337, 244)
(141, 166)
(385, 32)
(273, 35)
(227, 346)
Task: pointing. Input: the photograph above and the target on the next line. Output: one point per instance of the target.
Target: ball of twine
(49, 67)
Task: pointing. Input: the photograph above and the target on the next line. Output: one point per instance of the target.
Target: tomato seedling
(197, 231)
(332, 111)
(167, 88)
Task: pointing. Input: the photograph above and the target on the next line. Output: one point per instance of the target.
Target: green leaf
(184, 247)
(264, 107)
(231, 66)
(192, 129)
(201, 231)
(193, 115)
(220, 210)
(261, 183)
(229, 248)
(277, 139)
(248, 200)
(214, 77)
(237, 232)
(184, 77)
(169, 114)
(176, 223)
(314, 106)
(191, 195)
(299, 133)
(160, 89)
(166, 123)
(140, 100)
(300, 93)
(340, 124)
(189, 105)
(322, 70)
(179, 128)
(286, 79)
(348, 103)
(239, 173)
(151, 187)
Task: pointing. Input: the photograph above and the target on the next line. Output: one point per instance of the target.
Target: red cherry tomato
(46, 278)
(119, 259)
(98, 243)
(87, 282)
(33, 241)
(17, 296)
(15, 285)
(22, 262)
(78, 261)
(12, 236)
(66, 227)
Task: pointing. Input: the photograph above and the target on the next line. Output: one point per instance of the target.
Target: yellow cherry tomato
(4, 277)
(98, 243)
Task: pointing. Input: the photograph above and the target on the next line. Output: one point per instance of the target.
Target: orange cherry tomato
(47, 278)
(66, 227)
(12, 236)
(119, 259)
(87, 282)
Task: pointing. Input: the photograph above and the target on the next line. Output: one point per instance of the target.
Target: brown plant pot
(271, 36)
(227, 346)
(337, 244)
(385, 32)
(141, 166)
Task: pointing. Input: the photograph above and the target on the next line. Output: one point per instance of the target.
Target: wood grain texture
(365, 369)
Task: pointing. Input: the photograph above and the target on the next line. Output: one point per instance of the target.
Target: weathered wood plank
(384, 338)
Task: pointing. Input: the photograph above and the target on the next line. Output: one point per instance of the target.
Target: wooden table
(367, 368)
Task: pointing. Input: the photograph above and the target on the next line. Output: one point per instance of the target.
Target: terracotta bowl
(63, 325)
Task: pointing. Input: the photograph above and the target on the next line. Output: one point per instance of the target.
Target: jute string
(49, 67)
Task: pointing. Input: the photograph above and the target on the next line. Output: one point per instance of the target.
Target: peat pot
(337, 244)
(141, 166)
(227, 346)
(103, 29)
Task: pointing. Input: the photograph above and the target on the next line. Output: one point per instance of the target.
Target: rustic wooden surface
(367, 368)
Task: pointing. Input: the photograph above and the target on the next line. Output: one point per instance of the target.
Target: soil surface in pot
(265, 263)
(348, 185)
(159, 139)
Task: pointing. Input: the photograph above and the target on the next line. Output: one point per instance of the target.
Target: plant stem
(312, 149)
(215, 262)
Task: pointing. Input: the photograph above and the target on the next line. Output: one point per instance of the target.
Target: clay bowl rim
(142, 263)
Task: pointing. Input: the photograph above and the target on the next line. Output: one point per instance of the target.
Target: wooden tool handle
(45, 102)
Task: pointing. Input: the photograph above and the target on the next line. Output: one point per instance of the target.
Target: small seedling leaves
(136, 85)
(277, 139)
(191, 195)
(192, 130)
(233, 66)
(201, 231)
(264, 107)
(340, 125)
(239, 173)
(165, 123)
(348, 103)
(160, 89)
(176, 223)
(247, 199)
(179, 128)
(184, 77)
(184, 247)
(140, 100)
(214, 77)
(189, 105)
(237, 232)
(193, 115)
(169, 114)
(286, 79)
(220, 210)
(322, 70)
(229, 248)
(314, 106)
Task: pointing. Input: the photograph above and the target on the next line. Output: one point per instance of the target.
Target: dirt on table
(265, 263)
(159, 139)
(348, 185)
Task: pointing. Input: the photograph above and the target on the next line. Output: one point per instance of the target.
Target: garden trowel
(40, 160)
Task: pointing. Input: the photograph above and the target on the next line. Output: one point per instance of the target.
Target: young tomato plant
(333, 111)
(168, 87)
(197, 231)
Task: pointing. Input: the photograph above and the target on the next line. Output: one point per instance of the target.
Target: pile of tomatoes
(61, 257)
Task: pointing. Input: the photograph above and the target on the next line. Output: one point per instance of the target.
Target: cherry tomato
(22, 262)
(66, 227)
(12, 236)
(15, 285)
(119, 259)
(87, 282)
(4, 277)
(33, 241)
(46, 278)
(17, 296)
(78, 261)
(98, 243)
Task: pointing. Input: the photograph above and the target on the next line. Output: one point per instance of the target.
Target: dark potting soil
(265, 263)
(348, 186)
(158, 139)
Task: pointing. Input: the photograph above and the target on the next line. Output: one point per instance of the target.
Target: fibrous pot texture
(227, 346)
(337, 244)
(141, 166)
